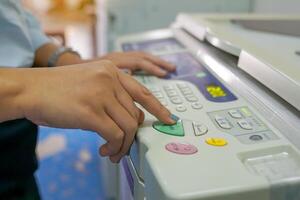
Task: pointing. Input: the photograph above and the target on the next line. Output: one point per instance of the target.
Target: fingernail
(104, 151)
(163, 72)
(174, 117)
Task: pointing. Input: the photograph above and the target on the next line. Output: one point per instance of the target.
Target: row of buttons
(186, 92)
(189, 149)
(224, 123)
(175, 98)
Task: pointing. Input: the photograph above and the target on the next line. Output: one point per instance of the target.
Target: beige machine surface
(237, 95)
(267, 46)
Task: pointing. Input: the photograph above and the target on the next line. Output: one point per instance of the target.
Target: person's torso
(16, 49)
(17, 137)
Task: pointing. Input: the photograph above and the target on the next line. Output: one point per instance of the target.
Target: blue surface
(65, 175)
(189, 69)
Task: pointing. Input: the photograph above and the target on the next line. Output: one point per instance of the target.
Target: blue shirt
(20, 35)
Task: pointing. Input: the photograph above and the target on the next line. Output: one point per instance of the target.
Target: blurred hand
(94, 96)
(140, 61)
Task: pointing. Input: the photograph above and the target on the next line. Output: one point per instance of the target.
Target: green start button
(175, 129)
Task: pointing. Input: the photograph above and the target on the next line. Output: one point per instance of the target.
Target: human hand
(91, 96)
(140, 61)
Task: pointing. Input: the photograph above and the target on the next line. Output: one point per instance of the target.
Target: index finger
(144, 97)
(160, 62)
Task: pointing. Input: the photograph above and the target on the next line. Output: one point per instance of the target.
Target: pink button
(180, 148)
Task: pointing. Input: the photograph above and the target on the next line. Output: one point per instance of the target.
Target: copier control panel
(215, 149)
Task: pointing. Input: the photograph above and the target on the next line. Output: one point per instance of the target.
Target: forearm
(11, 90)
(43, 54)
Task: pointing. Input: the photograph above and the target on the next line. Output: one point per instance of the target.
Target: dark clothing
(18, 160)
(21, 190)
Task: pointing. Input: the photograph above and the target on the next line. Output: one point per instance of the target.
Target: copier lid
(270, 54)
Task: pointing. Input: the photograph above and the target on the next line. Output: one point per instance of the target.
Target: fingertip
(103, 151)
(166, 117)
(161, 73)
(172, 67)
(174, 118)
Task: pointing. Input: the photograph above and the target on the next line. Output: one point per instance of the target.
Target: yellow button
(216, 142)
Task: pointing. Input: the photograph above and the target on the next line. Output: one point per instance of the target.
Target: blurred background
(70, 167)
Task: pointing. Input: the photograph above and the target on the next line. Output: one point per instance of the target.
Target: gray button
(196, 105)
(176, 100)
(199, 129)
(256, 137)
(154, 89)
(171, 93)
(182, 85)
(158, 95)
(186, 91)
(235, 114)
(191, 98)
(163, 102)
(222, 122)
(180, 108)
(245, 125)
(168, 87)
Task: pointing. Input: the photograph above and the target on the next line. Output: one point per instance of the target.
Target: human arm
(124, 60)
(94, 96)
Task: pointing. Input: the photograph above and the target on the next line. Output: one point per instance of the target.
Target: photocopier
(236, 90)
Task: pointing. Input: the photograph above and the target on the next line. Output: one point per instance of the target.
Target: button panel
(243, 124)
(240, 122)
(180, 96)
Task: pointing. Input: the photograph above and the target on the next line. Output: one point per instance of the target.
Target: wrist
(12, 91)
(68, 59)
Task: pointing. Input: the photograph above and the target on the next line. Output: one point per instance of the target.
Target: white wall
(129, 16)
(276, 6)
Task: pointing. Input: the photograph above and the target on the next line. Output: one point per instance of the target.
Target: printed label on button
(196, 105)
(180, 108)
(191, 98)
(245, 125)
(181, 85)
(168, 87)
(158, 95)
(199, 129)
(176, 100)
(171, 93)
(216, 141)
(154, 89)
(186, 91)
(222, 122)
(181, 148)
(235, 114)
